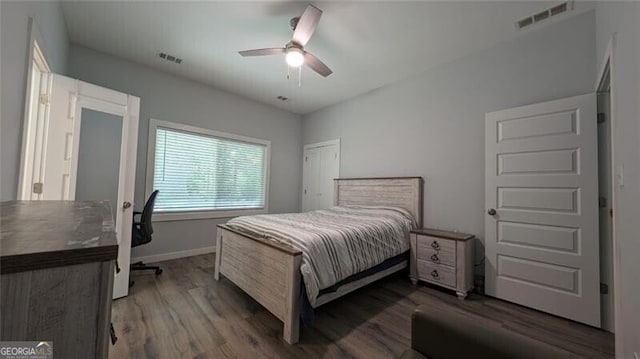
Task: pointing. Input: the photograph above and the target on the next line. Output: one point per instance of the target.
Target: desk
(56, 271)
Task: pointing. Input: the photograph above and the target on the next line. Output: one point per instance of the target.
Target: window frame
(154, 124)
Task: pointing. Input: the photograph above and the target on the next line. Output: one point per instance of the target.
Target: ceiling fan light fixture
(295, 57)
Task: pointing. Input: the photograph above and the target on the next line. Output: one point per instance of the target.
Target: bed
(270, 271)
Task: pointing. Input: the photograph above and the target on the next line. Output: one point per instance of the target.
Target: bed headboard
(403, 192)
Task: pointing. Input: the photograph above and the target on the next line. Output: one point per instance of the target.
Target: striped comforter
(337, 242)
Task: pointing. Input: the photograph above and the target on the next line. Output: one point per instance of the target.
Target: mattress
(336, 243)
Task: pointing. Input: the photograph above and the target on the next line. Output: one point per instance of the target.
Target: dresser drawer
(436, 273)
(446, 255)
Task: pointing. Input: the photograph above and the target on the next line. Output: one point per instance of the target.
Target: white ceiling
(366, 44)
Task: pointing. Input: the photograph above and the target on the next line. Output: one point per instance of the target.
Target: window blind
(196, 172)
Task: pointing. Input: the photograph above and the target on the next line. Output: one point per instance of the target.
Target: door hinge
(610, 212)
(602, 117)
(305, 158)
(44, 99)
(305, 191)
(37, 187)
(604, 288)
(602, 202)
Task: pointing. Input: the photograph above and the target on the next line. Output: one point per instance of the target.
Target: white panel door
(321, 165)
(329, 170)
(69, 100)
(542, 248)
(310, 179)
(58, 138)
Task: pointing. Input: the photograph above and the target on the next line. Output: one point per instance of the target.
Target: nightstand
(443, 258)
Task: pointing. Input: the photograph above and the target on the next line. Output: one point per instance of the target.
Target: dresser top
(45, 234)
(458, 236)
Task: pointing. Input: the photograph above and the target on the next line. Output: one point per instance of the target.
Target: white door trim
(323, 144)
(129, 156)
(29, 125)
(607, 68)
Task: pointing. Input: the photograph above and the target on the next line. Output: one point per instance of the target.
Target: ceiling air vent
(543, 15)
(170, 58)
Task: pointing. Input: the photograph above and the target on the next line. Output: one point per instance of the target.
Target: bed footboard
(268, 272)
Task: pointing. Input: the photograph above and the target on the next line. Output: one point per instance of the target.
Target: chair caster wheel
(158, 271)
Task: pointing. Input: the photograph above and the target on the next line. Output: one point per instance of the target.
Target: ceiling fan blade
(263, 52)
(306, 25)
(316, 65)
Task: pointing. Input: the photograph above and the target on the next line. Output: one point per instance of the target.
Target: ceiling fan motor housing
(294, 22)
(292, 45)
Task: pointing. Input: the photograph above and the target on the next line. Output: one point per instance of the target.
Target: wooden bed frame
(270, 272)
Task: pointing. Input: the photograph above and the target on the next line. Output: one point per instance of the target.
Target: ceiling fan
(303, 28)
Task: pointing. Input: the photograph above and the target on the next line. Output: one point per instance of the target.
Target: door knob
(126, 205)
(492, 212)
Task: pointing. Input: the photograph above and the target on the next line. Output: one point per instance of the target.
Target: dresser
(443, 258)
(57, 268)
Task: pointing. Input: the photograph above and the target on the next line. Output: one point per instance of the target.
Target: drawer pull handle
(435, 274)
(435, 245)
(435, 258)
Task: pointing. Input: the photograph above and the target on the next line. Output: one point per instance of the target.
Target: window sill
(185, 216)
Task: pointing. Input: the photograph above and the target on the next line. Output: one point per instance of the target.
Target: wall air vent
(543, 15)
(170, 58)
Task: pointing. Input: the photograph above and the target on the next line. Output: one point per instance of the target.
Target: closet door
(321, 165)
(310, 179)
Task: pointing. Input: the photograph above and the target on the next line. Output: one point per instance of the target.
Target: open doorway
(79, 143)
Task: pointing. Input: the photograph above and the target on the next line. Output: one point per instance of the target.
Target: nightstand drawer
(439, 244)
(446, 255)
(436, 273)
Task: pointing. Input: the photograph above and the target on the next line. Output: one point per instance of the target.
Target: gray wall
(170, 98)
(14, 30)
(432, 125)
(623, 18)
(99, 157)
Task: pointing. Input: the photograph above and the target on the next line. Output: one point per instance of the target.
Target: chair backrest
(147, 213)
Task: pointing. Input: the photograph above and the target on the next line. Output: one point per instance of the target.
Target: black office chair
(142, 231)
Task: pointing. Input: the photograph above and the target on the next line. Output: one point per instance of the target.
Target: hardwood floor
(185, 313)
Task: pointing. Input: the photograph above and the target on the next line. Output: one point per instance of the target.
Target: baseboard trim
(174, 255)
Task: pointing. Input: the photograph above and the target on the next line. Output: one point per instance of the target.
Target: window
(205, 174)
